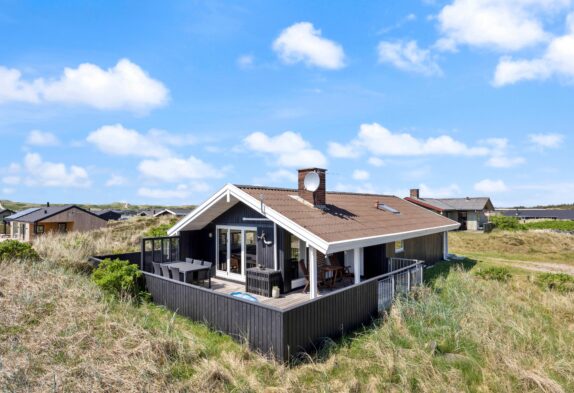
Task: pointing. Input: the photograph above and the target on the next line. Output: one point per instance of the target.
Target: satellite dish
(311, 181)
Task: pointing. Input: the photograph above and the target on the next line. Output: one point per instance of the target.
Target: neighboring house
(5, 225)
(109, 214)
(27, 224)
(471, 213)
(173, 212)
(146, 213)
(537, 214)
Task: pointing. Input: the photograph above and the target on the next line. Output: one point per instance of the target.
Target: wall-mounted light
(210, 235)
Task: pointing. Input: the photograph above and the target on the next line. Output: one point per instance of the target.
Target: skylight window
(382, 206)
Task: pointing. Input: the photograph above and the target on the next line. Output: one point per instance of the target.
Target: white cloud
(376, 162)
(451, 190)
(245, 61)
(558, 60)
(499, 157)
(116, 180)
(37, 172)
(380, 141)
(359, 174)
(507, 25)
(11, 180)
(301, 42)
(8, 191)
(117, 140)
(181, 191)
(288, 149)
(488, 186)
(546, 140)
(282, 175)
(173, 169)
(407, 56)
(339, 150)
(41, 138)
(124, 86)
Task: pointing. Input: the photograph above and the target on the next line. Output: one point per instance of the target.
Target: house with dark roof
(471, 212)
(27, 224)
(537, 214)
(4, 225)
(337, 259)
(109, 214)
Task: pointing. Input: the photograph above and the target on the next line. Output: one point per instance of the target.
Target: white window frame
(227, 273)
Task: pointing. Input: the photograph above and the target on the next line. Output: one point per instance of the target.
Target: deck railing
(159, 249)
(286, 332)
(400, 263)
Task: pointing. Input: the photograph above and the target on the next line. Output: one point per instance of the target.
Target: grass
(459, 333)
(556, 225)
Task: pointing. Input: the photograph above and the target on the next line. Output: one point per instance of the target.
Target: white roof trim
(304, 234)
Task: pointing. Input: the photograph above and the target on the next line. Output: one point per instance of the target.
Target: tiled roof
(349, 215)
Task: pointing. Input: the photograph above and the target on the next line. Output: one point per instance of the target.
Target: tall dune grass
(463, 333)
(71, 250)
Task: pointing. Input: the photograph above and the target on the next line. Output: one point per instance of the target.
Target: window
(62, 227)
(382, 206)
(39, 229)
(399, 246)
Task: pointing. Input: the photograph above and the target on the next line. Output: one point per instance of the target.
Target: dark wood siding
(426, 248)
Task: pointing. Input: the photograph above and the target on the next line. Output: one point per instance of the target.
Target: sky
(166, 102)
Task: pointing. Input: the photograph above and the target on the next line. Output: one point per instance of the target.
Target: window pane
(222, 245)
(250, 249)
(236, 248)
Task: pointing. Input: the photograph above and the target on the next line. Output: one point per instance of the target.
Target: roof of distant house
(37, 214)
(453, 204)
(175, 212)
(556, 214)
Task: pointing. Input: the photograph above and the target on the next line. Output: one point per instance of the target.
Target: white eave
(229, 195)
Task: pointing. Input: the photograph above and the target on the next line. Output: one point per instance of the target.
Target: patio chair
(197, 262)
(203, 275)
(346, 270)
(165, 271)
(156, 268)
(305, 273)
(175, 273)
(189, 260)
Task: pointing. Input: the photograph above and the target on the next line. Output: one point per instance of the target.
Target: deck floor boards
(286, 300)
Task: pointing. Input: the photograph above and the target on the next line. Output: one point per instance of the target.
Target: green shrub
(557, 225)
(14, 249)
(556, 281)
(494, 273)
(506, 223)
(119, 278)
(158, 231)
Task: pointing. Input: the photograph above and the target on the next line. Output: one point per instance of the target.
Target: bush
(494, 273)
(119, 278)
(556, 281)
(158, 231)
(556, 225)
(506, 223)
(14, 249)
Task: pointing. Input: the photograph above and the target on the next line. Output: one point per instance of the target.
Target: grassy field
(58, 332)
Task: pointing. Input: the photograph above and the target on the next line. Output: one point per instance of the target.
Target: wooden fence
(132, 257)
(284, 333)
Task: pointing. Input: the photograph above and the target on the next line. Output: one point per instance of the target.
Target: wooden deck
(290, 299)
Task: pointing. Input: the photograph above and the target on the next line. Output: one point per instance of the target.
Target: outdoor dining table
(186, 267)
(337, 272)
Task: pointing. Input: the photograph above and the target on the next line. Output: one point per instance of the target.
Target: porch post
(312, 273)
(445, 245)
(357, 264)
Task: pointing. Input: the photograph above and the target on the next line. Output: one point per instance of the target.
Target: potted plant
(275, 292)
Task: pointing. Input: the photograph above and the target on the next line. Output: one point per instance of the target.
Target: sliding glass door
(236, 250)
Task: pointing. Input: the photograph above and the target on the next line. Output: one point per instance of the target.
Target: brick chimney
(317, 198)
(415, 192)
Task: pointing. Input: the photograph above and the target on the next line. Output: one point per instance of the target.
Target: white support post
(408, 280)
(275, 263)
(445, 245)
(312, 273)
(392, 287)
(357, 264)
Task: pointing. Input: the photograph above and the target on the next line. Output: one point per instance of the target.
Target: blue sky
(165, 102)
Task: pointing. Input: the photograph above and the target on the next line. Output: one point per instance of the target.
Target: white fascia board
(198, 211)
(374, 240)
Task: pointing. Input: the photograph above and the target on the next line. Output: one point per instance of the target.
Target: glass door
(250, 249)
(236, 260)
(222, 250)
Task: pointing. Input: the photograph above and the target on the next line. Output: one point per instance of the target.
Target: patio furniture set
(190, 271)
